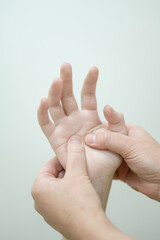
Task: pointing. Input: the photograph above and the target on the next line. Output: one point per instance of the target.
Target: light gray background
(122, 38)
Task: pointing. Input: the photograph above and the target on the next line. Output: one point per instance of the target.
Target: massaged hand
(141, 153)
(69, 120)
(70, 204)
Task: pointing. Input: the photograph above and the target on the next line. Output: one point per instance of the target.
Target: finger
(88, 97)
(45, 180)
(52, 168)
(68, 100)
(115, 142)
(61, 174)
(121, 172)
(76, 159)
(45, 123)
(54, 97)
(115, 120)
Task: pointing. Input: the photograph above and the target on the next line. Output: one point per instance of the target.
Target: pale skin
(141, 154)
(49, 191)
(74, 210)
(68, 120)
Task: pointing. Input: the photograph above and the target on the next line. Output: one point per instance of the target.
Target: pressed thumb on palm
(113, 141)
(76, 159)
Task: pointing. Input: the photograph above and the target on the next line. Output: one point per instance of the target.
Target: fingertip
(44, 104)
(75, 139)
(108, 109)
(75, 144)
(95, 70)
(93, 73)
(90, 138)
(55, 91)
(65, 66)
(57, 79)
(44, 101)
(115, 120)
(99, 140)
(111, 115)
(89, 85)
(56, 82)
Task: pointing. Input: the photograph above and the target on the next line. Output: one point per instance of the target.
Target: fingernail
(75, 139)
(91, 138)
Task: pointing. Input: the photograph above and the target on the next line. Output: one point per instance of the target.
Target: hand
(62, 201)
(141, 153)
(71, 204)
(69, 120)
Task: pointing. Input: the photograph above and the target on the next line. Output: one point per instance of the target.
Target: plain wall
(120, 37)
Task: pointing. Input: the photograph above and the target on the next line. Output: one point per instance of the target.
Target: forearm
(97, 228)
(104, 230)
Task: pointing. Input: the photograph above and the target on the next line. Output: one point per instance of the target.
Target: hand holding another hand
(60, 117)
(141, 153)
(70, 204)
(71, 190)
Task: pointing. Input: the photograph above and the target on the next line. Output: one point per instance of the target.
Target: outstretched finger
(43, 118)
(68, 100)
(54, 97)
(88, 97)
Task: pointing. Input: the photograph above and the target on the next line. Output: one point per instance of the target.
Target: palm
(80, 123)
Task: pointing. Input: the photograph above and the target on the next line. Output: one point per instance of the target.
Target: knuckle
(130, 149)
(108, 137)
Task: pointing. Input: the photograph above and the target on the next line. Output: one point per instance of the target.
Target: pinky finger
(43, 118)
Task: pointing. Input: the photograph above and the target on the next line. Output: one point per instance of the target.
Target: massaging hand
(70, 204)
(141, 153)
(69, 120)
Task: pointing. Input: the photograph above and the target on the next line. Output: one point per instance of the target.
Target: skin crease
(69, 120)
(141, 153)
(74, 210)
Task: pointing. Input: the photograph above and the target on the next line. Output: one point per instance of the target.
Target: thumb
(112, 141)
(76, 159)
